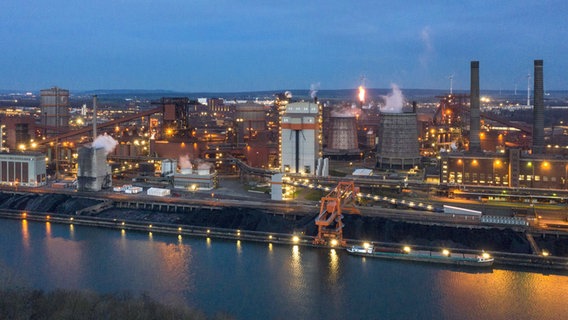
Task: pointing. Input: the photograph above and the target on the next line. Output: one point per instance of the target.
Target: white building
(301, 137)
(22, 169)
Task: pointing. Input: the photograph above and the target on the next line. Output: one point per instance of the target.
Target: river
(269, 281)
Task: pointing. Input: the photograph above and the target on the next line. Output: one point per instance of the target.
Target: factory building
(22, 169)
(17, 130)
(93, 172)
(54, 104)
(203, 178)
(513, 168)
(301, 137)
(250, 119)
(398, 141)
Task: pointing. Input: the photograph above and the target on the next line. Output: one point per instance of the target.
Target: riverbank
(512, 247)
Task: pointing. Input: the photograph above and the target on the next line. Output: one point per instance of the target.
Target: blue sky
(232, 45)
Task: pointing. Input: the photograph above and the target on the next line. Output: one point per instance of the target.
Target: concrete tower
(342, 136)
(301, 137)
(474, 120)
(538, 109)
(398, 141)
(54, 105)
(93, 172)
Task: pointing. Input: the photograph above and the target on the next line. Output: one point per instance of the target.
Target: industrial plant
(461, 144)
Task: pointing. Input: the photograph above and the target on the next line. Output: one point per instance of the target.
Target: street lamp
(461, 180)
(530, 165)
(496, 165)
(238, 128)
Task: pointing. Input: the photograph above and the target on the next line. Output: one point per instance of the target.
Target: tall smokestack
(538, 109)
(474, 121)
(94, 117)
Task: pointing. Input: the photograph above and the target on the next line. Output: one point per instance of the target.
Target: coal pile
(48, 203)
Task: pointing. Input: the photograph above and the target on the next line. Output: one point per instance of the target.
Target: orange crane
(330, 227)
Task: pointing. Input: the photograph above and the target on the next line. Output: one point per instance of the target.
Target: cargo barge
(406, 253)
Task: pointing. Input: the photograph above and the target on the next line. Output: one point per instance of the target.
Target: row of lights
(296, 239)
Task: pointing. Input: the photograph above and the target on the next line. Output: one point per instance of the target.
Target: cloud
(428, 51)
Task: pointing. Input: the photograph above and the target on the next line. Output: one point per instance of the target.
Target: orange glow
(545, 164)
(25, 234)
(361, 93)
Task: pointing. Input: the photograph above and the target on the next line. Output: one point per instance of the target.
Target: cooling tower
(538, 109)
(93, 172)
(474, 119)
(342, 136)
(398, 141)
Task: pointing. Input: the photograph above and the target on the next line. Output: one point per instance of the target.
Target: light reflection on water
(297, 282)
(271, 281)
(25, 234)
(497, 291)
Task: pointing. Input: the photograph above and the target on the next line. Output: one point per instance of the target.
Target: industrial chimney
(94, 117)
(538, 109)
(474, 120)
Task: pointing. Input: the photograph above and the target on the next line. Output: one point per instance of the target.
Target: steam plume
(394, 101)
(314, 87)
(105, 141)
(346, 111)
(184, 162)
(204, 166)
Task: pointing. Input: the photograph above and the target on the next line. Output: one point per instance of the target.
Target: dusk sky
(232, 45)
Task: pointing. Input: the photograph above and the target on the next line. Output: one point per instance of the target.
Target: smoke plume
(106, 142)
(394, 101)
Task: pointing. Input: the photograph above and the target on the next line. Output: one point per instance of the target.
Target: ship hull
(427, 257)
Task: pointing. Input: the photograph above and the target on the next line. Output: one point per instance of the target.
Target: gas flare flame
(361, 94)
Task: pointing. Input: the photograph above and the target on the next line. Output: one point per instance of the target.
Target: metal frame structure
(330, 227)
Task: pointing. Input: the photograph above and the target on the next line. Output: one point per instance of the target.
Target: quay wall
(502, 259)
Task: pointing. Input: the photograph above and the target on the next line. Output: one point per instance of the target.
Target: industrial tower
(301, 137)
